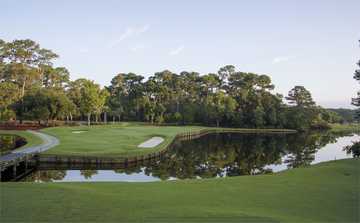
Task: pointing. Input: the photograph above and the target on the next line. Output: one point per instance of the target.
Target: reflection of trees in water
(353, 149)
(238, 154)
(129, 169)
(46, 176)
(217, 155)
(88, 173)
(302, 147)
(301, 150)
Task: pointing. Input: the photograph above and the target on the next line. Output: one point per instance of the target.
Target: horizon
(313, 44)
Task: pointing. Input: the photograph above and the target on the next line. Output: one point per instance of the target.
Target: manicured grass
(115, 140)
(345, 128)
(31, 139)
(111, 140)
(328, 192)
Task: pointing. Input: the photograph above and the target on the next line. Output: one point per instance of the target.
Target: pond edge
(83, 159)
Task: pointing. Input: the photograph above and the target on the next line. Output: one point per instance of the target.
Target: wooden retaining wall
(70, 159)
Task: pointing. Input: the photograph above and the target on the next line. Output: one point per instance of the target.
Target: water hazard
(214, 155)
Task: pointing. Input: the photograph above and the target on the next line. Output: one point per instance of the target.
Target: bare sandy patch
(154, 141)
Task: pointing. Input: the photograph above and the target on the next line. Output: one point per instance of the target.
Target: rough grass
(117, 140)
(31, 139)
(327, 192)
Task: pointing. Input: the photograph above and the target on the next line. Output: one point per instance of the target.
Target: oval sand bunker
(154, 141)
(77, 132)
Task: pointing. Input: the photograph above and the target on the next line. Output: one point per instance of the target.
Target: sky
(308, 43)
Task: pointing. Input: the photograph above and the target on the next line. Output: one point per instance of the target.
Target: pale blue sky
(310, 43)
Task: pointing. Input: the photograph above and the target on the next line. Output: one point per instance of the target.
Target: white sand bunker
(154, 141)
(77, 132)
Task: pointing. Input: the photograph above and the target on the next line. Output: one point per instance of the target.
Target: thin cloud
(142, 29)
(137, 47)
(128, 33)
(176, 51)
(281, 59)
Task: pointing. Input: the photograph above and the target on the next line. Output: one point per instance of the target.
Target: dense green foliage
(327, 192)
(32, 89)
(343, 115)
(354, 149)
(31, 139)
(10, 142)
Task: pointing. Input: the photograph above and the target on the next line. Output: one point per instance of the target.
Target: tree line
(32, 88)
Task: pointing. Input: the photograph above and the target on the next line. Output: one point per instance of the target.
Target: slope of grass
(345, 128)
(115, 140)
(31, 139)
(328, 192)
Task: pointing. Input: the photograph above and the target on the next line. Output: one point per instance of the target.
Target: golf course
(179, 111)
(119, 140)
(277, 197)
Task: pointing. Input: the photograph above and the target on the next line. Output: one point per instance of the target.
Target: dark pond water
(215, 155)
(10, 142)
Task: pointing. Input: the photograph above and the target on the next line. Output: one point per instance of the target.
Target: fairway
(111, 140)
(328, 192)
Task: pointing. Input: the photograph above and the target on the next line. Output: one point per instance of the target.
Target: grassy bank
(31, 139)
(345, 128)
(116, 140)
(328, 192)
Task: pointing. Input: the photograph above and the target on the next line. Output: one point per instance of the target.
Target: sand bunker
(79, 131)
(154, 141)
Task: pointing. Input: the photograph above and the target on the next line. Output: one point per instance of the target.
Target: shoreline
(125, 160)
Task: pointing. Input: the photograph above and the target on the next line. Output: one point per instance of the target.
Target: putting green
(111, 140)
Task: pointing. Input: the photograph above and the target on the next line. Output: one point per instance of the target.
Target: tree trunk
(88, 118)
(105, 117)
(217, 123)
(113, 119)
(23, 89)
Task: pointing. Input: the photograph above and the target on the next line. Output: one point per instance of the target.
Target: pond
(214, 155)
(10, 142)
